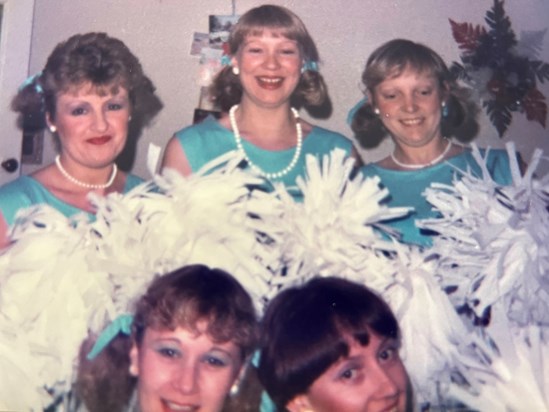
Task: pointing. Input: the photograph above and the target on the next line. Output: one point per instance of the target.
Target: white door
(15, 41)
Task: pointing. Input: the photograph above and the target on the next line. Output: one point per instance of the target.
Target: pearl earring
(53, 129)
(444, 109)
(236, 71)
(376, 111)
(234, 389)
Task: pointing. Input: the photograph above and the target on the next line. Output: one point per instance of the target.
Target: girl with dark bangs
(332, 345)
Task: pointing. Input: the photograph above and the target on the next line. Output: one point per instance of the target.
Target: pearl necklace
(84, 184)
(422, 165)
(238, 141)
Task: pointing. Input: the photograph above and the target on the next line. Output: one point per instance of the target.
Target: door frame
(15, 50)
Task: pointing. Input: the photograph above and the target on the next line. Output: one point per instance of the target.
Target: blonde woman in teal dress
(412, 97)
(86, 95)
(273, 71)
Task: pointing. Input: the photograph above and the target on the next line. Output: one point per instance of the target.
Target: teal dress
(406, 187)
(208, 140)
(27, 191)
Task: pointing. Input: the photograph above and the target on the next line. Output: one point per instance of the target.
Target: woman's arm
(175, 158)
(4, 236)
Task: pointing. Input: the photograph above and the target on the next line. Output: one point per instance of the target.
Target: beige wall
(346, 31)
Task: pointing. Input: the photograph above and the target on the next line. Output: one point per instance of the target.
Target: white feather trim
(501, 236)
(63, 277)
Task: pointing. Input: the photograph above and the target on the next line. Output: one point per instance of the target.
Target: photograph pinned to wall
(200, 42)
(211, 58)
(210, 64)
(220, 29)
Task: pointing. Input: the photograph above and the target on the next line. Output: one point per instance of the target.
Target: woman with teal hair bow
(191, 337)
(412, 97)
(272, 71)
(89, 92)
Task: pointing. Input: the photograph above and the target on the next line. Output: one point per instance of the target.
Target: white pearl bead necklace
(240, 148)
(422, 165)
(84, 184)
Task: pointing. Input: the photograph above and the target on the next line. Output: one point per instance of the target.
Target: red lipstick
(99, 140)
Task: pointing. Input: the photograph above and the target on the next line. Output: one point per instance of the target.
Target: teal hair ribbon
(30, 80)
(309, 65)
(225, 60)
(122, 324)
(352, 112)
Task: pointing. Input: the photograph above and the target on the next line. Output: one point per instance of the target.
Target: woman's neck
(422, 154)
(271, 128)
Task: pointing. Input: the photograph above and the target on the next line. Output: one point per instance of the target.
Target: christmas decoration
(502, 70)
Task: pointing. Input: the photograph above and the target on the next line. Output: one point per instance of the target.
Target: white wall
(346, 31)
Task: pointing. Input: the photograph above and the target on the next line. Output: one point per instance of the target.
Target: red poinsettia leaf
(467, 35)
(535, 106)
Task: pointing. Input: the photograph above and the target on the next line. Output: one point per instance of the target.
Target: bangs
(271, 30)
(316, 344)
(397, 56)
(221, 325)
(274, 20)
(200, 300)
(239, 37)
(100, 89)
(418, 67)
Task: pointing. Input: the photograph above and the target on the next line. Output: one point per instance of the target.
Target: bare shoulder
(175, 157)
(47, 177)
(4, 235)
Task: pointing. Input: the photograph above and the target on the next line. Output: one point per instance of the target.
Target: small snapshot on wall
(200, 42)
(212, 51)
(220, 29)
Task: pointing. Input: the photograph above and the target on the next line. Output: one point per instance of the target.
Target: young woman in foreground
(332, 345)
(192, 334)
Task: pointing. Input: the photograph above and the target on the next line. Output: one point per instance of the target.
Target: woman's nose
(186, 378)
(271, 60)
(409, 103)
(100, 122)
(386, 386)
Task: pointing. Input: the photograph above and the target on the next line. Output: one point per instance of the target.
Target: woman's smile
(270, 82)
(99, 140)
(169, 406)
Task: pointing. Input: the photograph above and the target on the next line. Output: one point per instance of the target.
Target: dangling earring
(52, 128)
(236, 71)
(234, 389)
(376, 111)
(444, 109)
